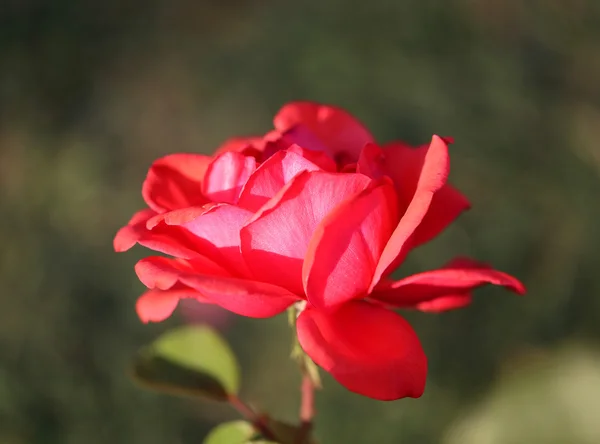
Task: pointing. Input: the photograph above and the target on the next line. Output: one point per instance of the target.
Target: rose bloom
(314, 213)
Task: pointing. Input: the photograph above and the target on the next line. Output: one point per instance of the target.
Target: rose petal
(173, 241)
(244, 145)
(177, 217)
(429, 170)
(319, 158)
(216, 231)
(162, 273)
(158, 305)
(128, 235)
(175, 181)
(275, 241)
(398, 161)
(368, 349)
(342, 134)
(345, 248)
(447, 204)
(459, 277)
(226, 176)
(241, 296)
(445, 303)
(271, 176)
(372, 162)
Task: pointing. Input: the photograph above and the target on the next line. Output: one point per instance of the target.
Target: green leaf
(189, 360)
(234, 432)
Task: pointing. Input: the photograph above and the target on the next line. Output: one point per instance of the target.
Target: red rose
(313, 213)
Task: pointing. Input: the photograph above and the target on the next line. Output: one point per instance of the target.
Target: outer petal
(158, 305)
(275, 241)
(175, 181)
(173, 241)
(345, 248)
(241, 296)
(226, 176)
(342, 134)
(368, 349)
(447, 204)
(428, 170)
(244, 145)
(128, 236)
(401, 162)
(271, 177)
(445, 303)
(444, 289)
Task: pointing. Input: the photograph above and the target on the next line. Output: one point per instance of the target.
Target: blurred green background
(91, 92)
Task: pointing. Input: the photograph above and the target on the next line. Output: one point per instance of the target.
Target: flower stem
(307, 408)
(258, 421)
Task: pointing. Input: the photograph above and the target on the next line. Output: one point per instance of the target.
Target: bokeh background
(91, 92)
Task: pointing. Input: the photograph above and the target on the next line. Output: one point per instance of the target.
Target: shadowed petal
(158, 305)
(445, 303)
(403, 164)
(447, 204)
(443, 289)
(175, 181)
(128, 235)
(341, 133)
(368, 349)
(249, 146)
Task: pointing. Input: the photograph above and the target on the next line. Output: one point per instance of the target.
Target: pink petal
(428, 170)
(226, 176)
(345, 248)
(451, 285)
(158, 305)
(342, 134)
(216, 232)
(319, 158)
(241, 296)
(271, 176)
(175, 181)
(368, 349)
(275, 241)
